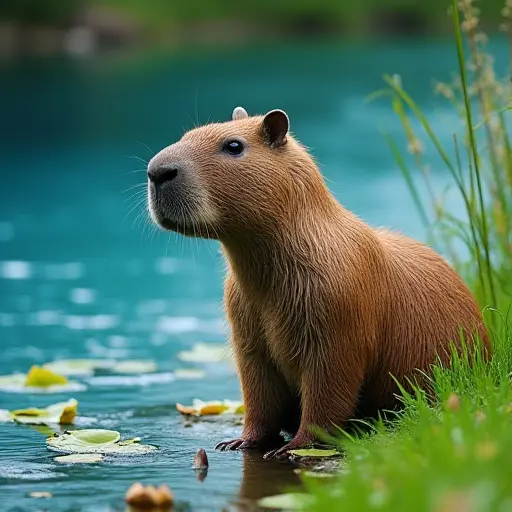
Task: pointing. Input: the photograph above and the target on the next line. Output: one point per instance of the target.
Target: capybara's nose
(162, 173)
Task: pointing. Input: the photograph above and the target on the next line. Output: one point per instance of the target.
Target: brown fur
(322, 307)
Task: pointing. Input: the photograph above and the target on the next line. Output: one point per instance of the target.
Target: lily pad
(189, 373)
(313, 452)
(215, 407)
(134, 366)
(79, 367)
(290, 501)
(39, 380)
(96, 436)
(205, 353)
(79, 458)
(96, 441)
(62, 413)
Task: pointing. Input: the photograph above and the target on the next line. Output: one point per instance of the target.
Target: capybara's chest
(287, 338)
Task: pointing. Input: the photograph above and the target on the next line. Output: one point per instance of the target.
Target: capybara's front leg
(264, 390)
(264, 397)
(327, 404)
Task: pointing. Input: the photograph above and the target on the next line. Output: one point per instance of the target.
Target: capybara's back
(430, 311)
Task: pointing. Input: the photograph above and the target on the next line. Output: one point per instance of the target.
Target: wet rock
(200, 460)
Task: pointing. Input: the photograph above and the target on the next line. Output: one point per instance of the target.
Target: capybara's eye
(233, 147)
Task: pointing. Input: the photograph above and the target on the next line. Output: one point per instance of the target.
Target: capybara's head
(224, 179)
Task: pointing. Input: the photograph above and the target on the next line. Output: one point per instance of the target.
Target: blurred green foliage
(355, 16)
(52, 12)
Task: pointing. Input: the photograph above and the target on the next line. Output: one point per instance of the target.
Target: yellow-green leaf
(212, 408)
(96, 436)
(42, 377)
(62, 413)
(96, 441)
(314, 453)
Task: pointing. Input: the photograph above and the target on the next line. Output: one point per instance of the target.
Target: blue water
(84, 274)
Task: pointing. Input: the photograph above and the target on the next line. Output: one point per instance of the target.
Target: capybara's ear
(239, 113)
(275, 128)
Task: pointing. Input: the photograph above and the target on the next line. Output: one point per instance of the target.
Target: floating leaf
(15, 383)
(314, 453)
(134, 366)
(204, 353)
(213, 408)
(42, 377)
(96, 436)
(39, 380)
(291, 501)
(216, 407)
(79, 367)
(40, 494)
(189, 373)
(187, 410)
(240, 409)
(316, 474)
(62, 413)
(5, 415)
(79, 458)
(96, 441)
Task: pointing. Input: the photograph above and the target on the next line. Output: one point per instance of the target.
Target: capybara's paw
(282, 453)
(250, 444)
(279, 453)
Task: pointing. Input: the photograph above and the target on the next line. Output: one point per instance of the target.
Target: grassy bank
(453, 455)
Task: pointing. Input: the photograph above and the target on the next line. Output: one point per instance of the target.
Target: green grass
(453, 453)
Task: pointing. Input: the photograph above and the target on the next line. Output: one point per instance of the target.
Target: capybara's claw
(269, 454)
(244, 444)
(279, 454)
(283, 453)
(234, 444)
